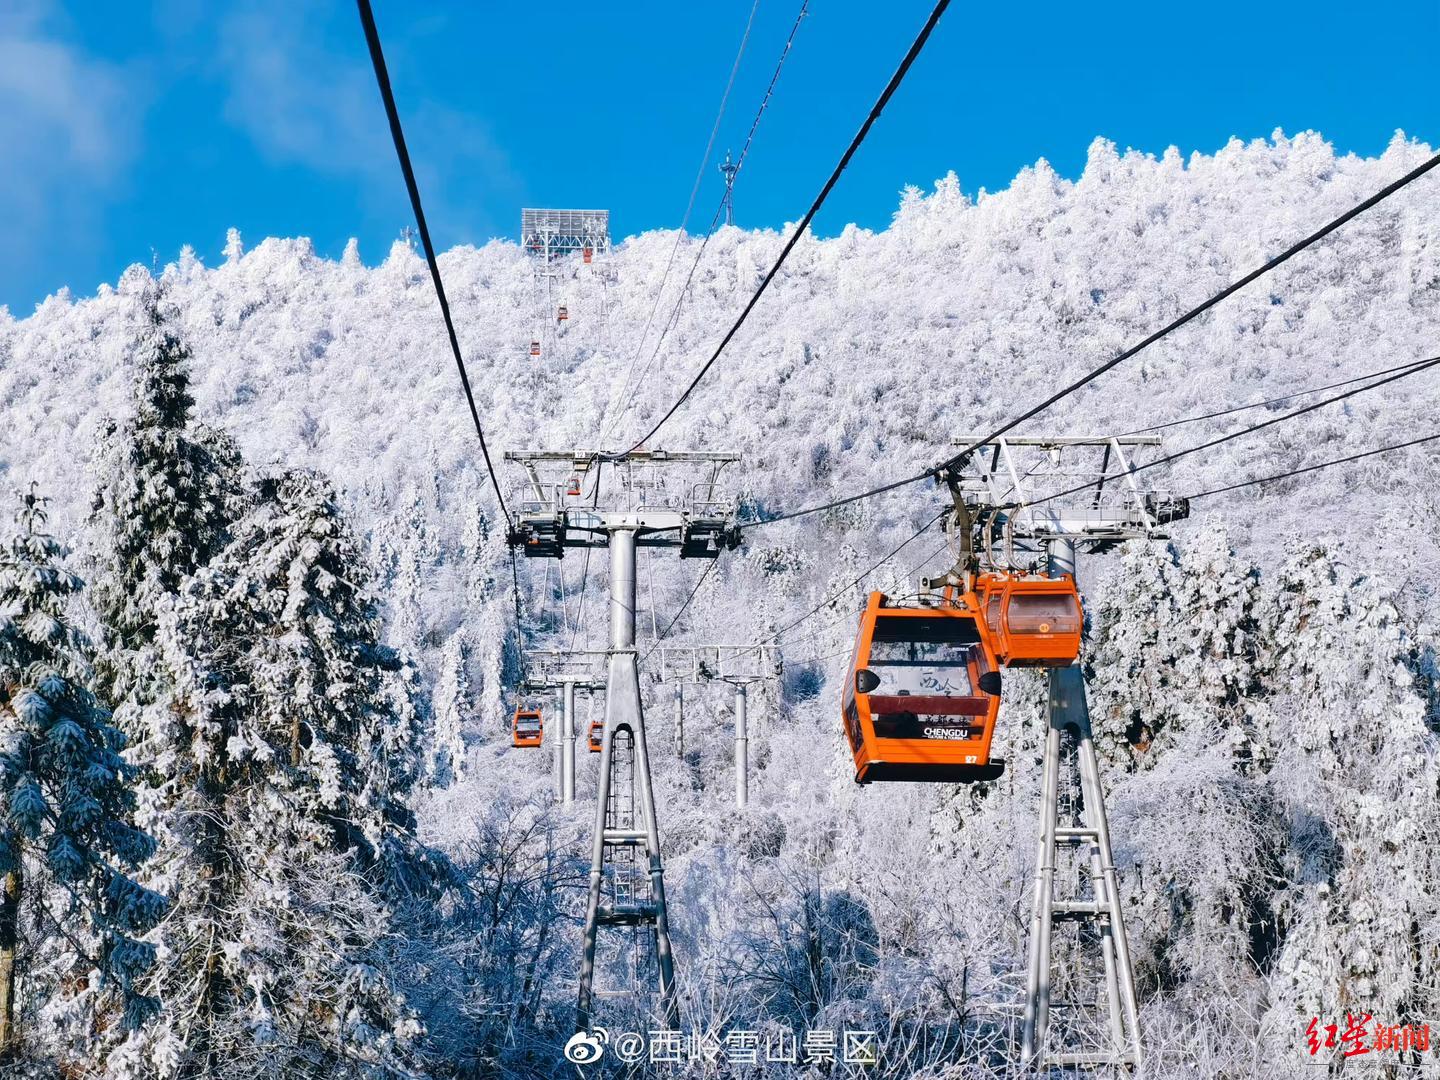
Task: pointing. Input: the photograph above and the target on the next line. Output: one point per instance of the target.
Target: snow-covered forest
(263, 816)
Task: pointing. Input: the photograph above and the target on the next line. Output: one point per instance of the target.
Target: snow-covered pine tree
(1178, 701)
(454, 710)
(485, 558)
(293, 753)
(167, 489)
(67, 835)
(317, 663)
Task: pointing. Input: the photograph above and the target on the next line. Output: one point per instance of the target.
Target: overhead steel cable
(585, 566)
(1175, 324)
(799, 231)
(1413, 369)
(1195, 312)
(689, 207)
(1257, 481)
(674, 318)
(1391, 374)
(854, 613)
(397, 133)
(519, 634)
(1314, 468)
(857, 580)
(1270, 401)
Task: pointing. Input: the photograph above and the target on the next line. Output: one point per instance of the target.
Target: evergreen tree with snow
(289, 838)
(68, 843)
(296, 590)
(454, 710)
(1178, 649)
(168, 488)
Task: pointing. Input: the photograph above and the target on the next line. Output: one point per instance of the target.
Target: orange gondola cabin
(1033, 621)
(527, 729)
(597, 736)
(923, 694)
(534, 348)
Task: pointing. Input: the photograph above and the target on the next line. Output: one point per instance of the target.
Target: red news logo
(1361, 1035)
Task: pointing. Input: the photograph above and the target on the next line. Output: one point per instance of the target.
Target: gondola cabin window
(923, 667)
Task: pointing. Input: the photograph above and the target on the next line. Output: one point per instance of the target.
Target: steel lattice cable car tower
(1000, 497)
(647, 506)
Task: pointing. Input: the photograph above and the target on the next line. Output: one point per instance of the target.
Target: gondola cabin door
(923, 694)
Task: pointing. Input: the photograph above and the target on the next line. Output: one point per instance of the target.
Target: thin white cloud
(69, 132)
(301, 102)
(46, 85)
(297, 102)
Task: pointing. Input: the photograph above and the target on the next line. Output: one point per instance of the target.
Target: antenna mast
(728, 169)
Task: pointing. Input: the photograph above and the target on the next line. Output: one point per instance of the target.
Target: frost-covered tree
(167, 490)
(454, 709)
(300, 586)
(68, 843)
(331, 363)
(291, 749)
(1177, 650)
(1356, 687)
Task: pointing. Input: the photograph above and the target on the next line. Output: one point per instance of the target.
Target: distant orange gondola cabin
(587, 254)
(534, 348)
(1033, 621)
(597, 736)
(527, 729)
(923, 694)
(562, 314)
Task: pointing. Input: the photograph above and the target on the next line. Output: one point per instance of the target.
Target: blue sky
(129, 129)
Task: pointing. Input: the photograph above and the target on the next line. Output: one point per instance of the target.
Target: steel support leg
(557, 754)
(1090, 838)
(1037, 989)
(1105, 860)
(623, 710)
(567, 745)
(680, 719)
(742, 750)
